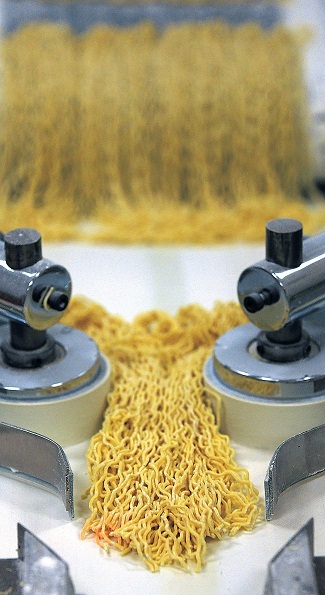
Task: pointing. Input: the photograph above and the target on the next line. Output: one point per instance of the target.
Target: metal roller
(33, 289)
(273, 294)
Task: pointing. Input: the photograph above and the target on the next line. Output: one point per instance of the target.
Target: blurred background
(145, 122)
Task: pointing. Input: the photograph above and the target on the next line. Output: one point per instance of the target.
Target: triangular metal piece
(292, 570)
(37, 570)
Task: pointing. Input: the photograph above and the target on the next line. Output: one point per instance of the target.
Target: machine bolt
(255, 301)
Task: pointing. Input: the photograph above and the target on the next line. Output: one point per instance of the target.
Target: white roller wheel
(258, 422)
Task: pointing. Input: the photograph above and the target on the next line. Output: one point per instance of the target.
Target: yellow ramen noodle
(193, 134)
(163, 478)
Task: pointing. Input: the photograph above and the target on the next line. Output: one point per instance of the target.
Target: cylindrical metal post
(284, 241)
(283, 246)
(23, 248)
(28, 347)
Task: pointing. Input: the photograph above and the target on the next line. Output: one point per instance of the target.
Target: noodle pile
(163, 478)
(197, 133)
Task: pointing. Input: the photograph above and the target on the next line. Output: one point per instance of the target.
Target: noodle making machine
(54, 380)
(270, 372)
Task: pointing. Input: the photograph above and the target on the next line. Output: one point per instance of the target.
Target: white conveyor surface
(129, 280)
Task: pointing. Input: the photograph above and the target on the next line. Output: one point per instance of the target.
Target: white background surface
(127, 281)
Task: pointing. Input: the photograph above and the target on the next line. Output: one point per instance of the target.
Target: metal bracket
(37, 569)
(38, 459)
(296, 459)
(294, 569)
